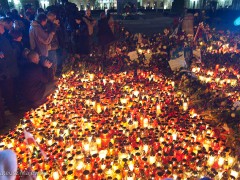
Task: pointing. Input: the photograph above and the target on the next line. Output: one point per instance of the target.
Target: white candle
(98, 108)
(131, 166)
(185, 106)
(145, 148)
(102, 154)
(174, 136)
(234, 173)
(158, 110)
(152, 159)
(211, 160)
(220, 161)
(55, 175)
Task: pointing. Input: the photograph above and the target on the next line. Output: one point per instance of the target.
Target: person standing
(2, 113)
(8, 71)
(91, 23)
(40, 39)
(8, 26)
(111, 21)
(54, 45)
(105, 34)
(16, 36)
(80, 37)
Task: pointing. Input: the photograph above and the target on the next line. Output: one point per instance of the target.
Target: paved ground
(148, 26)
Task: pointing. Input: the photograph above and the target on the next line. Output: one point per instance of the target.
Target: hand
(1, 55)
(47, 64)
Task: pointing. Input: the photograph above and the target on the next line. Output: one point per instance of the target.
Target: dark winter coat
(18, 48)
(8, 64)
(33, 82)
(105, 35)
(80, 38)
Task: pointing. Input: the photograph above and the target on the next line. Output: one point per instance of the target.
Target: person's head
(102, 15)
(8, 23)
(16, 35)
(33, 57)
(29, 15)
(88, 13)
(51, 16)
(40, 10)
(78, 18)
(41, 19)
(25, 53)
(2, 30)
(15, 13)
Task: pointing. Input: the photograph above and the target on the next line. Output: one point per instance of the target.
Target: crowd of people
(33, 46)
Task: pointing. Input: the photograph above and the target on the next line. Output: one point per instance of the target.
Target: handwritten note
(133, 55)
(197, 54)
(176, 64)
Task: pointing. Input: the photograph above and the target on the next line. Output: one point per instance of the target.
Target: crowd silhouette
(33, 46)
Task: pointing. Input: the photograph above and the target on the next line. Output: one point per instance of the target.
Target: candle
(86, 146)
(98, 142)
(145, 148)
(221, 161)
(91, 77)
(98, 108)
(158, 109)
(230, 161)
(132, 133)
(211, 160)
(102, 154)
(185, 106)
(86, 175)
(56, 175)
(152, 159)
(234, 174)
(118, 175)
(131, 164)
(145, 122)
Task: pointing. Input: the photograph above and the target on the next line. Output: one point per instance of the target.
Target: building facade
(236, 4)
(206, 4)
(162, 4)
(18, 4)
(146, 4)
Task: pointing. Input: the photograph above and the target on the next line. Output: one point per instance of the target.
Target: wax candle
(56, 175)
(185, 106)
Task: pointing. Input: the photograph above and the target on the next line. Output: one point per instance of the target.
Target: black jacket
(33, 82)
(8, 64)
(105, 35)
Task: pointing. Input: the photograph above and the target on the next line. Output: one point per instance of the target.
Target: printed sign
(176, 64)
(133, 55)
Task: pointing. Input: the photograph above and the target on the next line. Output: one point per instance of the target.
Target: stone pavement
(148, 26)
